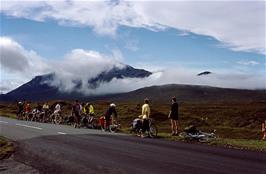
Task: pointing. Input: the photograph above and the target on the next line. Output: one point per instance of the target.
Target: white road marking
(3, 122)
(62, 133)
(24, 125)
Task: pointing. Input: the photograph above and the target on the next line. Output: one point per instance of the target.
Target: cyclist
(90, 111)
(37, 113)
(57, 109)
(145, 115)
(57, 112)
(27, 110)
(84, 109)
(20, 110)
(45, 108)
(110, 111)
(76, 111)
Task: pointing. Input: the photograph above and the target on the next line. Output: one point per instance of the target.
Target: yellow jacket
(91, 110)
(84, 110)
(146, 111)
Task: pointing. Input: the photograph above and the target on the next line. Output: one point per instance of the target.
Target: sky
(175, 40)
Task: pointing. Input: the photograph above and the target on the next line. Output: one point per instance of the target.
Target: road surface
(62, 149)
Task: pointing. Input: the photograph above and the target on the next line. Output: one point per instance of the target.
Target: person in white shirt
(57, 108)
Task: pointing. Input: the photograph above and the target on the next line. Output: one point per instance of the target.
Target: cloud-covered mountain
(43, 87)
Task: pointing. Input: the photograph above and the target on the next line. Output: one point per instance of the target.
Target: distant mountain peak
(40, 88)
(204, 73)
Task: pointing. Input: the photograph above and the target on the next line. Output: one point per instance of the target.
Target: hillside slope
(189, 93)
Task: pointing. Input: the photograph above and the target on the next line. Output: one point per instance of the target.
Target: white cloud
(183, 76)
(12, 55)
(19, 66)
(249, 62)
(81, 65)
(239, 25)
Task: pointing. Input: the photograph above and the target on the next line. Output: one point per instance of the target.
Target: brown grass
(230, 120)
(6, 148)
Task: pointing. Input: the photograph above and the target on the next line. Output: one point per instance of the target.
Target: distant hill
(204, 73)
(191, 93)
(38, 88)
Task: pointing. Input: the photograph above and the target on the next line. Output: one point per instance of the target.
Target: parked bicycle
(191, 133)
(89, 121)
(136, 127)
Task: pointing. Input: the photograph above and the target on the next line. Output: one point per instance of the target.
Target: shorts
(174, 117)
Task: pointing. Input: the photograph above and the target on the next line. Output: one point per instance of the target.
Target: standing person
(173, 116)
(145, 115)
(263, 129)
(110, 111)
(76, 111)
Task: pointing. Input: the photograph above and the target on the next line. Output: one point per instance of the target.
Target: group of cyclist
(81, 109)
(45, 113)
(38, 113)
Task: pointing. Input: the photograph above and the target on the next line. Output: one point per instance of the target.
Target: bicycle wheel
(94, 123)
(113, 128)
(153, 130)
(206, 139)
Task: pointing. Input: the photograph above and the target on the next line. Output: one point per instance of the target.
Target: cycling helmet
(112, 105)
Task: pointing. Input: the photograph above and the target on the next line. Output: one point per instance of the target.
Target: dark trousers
(145, 125)
(107, 121)
(77, 118)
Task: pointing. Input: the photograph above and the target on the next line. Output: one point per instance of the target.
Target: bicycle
(199, 136)
(89, 121)
(114, 125)
(136, 127)
(56, 118)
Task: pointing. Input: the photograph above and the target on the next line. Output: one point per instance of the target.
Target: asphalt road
(62, 149)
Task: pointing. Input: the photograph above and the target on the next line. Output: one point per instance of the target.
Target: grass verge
(244, 144)
(7, 148)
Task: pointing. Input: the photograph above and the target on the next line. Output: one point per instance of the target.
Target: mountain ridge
(39, 88)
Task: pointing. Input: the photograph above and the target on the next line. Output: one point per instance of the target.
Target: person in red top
(27, 108)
